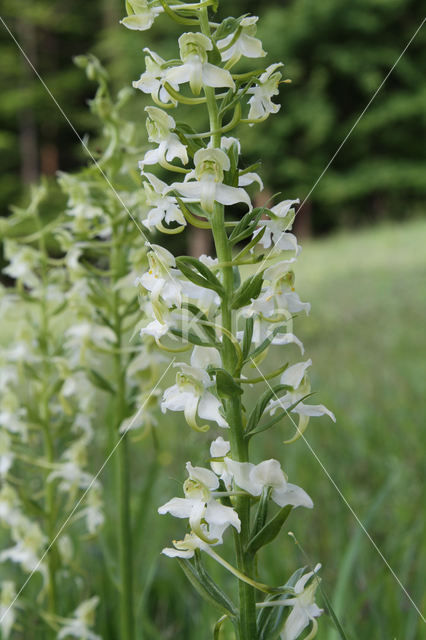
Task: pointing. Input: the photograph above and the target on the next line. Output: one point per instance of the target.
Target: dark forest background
(335, 52)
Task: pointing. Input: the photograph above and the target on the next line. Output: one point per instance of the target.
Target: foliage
(336, 56)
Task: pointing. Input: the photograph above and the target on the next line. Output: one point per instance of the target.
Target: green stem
(50, 492)
(233, 407)
(127, 624)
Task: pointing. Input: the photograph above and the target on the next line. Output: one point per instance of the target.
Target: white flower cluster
(208, 517)
(228, 315)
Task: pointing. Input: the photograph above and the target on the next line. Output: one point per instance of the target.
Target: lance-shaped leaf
(184, 131)
(204, 322)
(226, 385)
(231, 176)
(262, 512)
(261, 405)
(206, 587)
(99, 381)
(199, 274)
(248, 335)
(192, 338)
(226, 27)
(270, 620)
(265, 344)
(246, 225)
(249, 289)
(270, 423)
(269, 531)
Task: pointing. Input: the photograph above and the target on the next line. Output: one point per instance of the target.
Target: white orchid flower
(161, 280)
(82, 619)
(10, 507)
(190, 393)
(142, 15)
(200, 506)
(245, 44)
(70, 472)
(156, 329)
(268, 474)
(208, 187)
(6, 453)
(260, 103)
(29, 540)
(296, 377)
(162, 206)
(186, 548)
(207, 300)
(159, 126)
(152, 79)
(305, 610)
(23, 263)
(263, 328)
(93, 512)
(275, 304)
(12, 415)
(84, 335)
(276, 233)
(244, 179)
(220, 448)
(195, 69)
(7, 608)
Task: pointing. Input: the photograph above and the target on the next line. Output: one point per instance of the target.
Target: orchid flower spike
(200, 506)
(191, 392)
(196, 69)
(141, 15)
(260, 103)
(160, 126)
(245, 44)
(207, 187)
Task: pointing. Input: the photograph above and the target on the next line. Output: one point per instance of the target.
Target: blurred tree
(34, 136)
(336, 53)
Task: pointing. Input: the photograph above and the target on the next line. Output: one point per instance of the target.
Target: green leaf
(197, 313)
(199, 274)
(262, 512)
(266, 343)
(183, 130)
(333, 616)
(231, 176)
(246, 225)
(261, 405)
(270, 620)
(237, 277)
(248, 335)
(192, 337)
(277, 418)
(205, 586)
(226, 27)
(250, 289)
(99, 381)
(225, 384)
(214, 55)
(270, 531)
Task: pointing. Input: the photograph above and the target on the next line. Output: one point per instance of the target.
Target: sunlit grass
(366, 337)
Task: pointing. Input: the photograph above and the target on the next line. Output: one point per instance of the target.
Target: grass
(367, 341)
(366, 337)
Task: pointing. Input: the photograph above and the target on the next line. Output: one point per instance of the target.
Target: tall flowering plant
(73, 386)
(230, 310)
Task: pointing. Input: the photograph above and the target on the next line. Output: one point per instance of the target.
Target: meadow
(366, 337)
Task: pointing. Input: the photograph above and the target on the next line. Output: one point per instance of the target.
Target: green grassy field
(366, 337)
